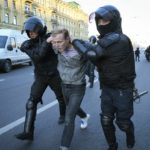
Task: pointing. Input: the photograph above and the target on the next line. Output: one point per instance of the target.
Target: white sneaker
(84, 122)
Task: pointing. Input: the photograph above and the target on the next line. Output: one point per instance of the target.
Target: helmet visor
(104, 13)
(91, 17)
(101, 13)
(32, 27)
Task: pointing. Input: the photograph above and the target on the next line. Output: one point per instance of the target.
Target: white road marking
(1, 80)
(21, 120)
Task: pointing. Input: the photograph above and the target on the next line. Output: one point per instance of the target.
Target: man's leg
(75, 96)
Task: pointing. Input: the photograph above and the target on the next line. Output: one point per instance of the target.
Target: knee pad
(106, 120)
(124, 125)
(30, 104)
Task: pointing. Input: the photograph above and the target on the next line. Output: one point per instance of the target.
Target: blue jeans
(73, 96)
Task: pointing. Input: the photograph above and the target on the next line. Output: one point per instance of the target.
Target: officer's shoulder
(109, 39)
(124, 39)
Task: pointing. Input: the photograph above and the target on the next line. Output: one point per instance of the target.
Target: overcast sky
(135, 17)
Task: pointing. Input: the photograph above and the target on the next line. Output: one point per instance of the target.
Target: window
(12, 41)
(34, 11)
(39, 13)
(3, 40)
(14, 20)
(44, 15)
(14, 4)
(52, 17)
(27, 7)
(5, 3)
(6, 18)
(53, 27)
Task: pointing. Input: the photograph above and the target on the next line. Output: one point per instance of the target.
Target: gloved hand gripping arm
(87, 49)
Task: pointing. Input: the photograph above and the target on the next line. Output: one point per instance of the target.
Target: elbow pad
(109, 40)
(25, 45)
(87, 49)
(80, 46)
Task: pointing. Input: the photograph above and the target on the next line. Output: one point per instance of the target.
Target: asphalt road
(14, 92)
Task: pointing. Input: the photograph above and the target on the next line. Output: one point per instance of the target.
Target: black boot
(24, 136)
(114, 146)
(28, 132)
(130, 138)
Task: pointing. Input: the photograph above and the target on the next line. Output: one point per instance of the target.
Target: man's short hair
(63, 31)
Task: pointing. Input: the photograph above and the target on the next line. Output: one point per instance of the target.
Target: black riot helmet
(92, 39)
(107, 13)
(34, 24)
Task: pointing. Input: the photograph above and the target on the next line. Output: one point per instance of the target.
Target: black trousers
(39, 86)
(117, 103)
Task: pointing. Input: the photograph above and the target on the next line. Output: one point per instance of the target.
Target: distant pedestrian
(137, 54)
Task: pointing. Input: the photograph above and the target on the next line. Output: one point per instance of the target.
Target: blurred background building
(13, 14)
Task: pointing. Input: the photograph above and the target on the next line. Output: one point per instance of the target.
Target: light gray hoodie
(71, 67)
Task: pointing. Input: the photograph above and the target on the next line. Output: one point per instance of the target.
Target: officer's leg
(37, 91)
(107, 117)
(128, 127)
(123, 115)
(109, 131)
(55, 85)
(27, 134)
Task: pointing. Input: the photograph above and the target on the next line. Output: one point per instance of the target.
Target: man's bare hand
(49, 40)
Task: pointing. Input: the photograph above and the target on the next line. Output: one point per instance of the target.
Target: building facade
(54, 13)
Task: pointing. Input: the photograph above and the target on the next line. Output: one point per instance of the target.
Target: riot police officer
(114, 58)
(45, 72)
(90, 66)
(137, 54)
(147, 53)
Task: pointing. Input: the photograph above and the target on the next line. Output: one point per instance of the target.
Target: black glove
(25, 45)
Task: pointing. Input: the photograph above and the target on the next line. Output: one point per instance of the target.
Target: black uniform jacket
(42, 55)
